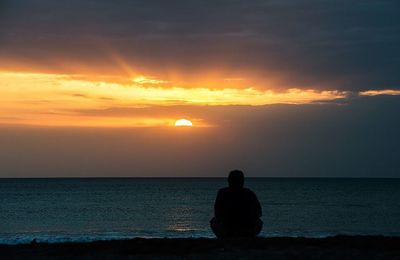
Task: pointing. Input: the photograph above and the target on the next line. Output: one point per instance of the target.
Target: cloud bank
(340, 45)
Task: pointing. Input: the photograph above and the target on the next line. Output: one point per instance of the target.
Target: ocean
(58, 210)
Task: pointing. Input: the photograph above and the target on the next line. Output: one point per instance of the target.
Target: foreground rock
(339, 247)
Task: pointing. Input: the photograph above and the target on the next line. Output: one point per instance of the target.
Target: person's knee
(217, 227)
(251, 228)
(258, 225)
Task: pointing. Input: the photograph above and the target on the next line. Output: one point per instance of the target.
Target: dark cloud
(357, 139)
(340, 44)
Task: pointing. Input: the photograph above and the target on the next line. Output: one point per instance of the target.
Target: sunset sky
(276, 88)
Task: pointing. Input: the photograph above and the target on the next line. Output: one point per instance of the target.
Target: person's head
(236, 179)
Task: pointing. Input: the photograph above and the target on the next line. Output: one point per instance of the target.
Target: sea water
(56, 210)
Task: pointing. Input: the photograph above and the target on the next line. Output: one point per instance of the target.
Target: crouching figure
(237, 210)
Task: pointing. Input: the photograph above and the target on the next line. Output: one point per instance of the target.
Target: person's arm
(257, 206)
(218, 206)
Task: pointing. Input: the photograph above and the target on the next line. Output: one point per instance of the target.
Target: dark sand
(339, 247)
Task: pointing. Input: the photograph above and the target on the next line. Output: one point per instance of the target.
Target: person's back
(237, 210)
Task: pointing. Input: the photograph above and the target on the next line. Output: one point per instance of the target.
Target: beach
(337, 247)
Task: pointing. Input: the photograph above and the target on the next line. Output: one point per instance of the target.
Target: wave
(65, 238)
(74, 238)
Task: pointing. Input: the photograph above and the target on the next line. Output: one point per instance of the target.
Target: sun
(183, 122)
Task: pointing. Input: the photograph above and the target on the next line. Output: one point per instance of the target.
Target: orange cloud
(390, 92)
(51, 99)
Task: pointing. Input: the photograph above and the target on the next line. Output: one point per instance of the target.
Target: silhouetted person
(237, 210)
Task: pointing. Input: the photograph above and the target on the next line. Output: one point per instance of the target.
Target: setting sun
(183, 122)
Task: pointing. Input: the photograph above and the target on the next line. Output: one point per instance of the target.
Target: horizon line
(200, 177)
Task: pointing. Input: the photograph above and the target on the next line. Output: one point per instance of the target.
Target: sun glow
(74, 100)
(184, 123)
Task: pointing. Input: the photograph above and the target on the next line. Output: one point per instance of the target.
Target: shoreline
(341, 246)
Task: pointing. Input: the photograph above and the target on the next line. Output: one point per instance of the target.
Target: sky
(92, 88)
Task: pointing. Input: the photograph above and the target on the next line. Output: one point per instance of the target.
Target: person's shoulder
(248, 191)
(224, 190)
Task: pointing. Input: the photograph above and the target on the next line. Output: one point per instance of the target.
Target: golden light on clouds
(389, 92)
(144, 80)
(53, 99)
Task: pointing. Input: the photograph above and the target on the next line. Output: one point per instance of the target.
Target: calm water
(89, 209)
